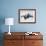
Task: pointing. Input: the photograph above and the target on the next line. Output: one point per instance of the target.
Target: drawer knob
(33, 42)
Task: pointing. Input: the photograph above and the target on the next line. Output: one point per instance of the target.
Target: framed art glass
(27, 15)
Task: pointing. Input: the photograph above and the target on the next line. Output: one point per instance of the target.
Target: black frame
(19, 16)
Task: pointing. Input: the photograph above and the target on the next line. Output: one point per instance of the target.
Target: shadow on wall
(2, 21)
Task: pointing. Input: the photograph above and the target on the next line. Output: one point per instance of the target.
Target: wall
(9, 8)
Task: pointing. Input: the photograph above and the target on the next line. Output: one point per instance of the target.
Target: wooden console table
(20, 39)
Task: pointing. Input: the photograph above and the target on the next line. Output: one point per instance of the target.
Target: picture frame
(27, 15)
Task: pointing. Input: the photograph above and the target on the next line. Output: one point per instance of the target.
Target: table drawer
(16, 37)
(13, 43)
(33, 37)
(9, 42)
(33, 43)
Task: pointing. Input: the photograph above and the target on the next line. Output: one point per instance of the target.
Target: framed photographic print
(27, 15)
